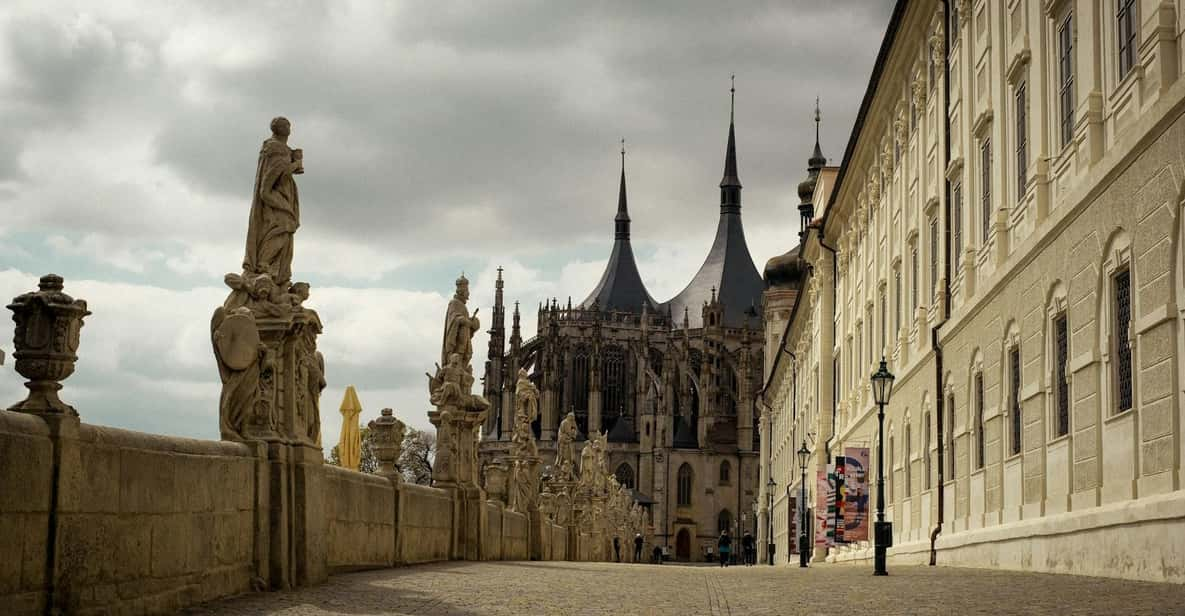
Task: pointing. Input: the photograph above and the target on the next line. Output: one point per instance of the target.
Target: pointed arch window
(725, 473)
(1014, 398)
(980, 441)
(686, 479)
(625, 475)
(1061, 340)
(950, 438)
(926, 481)
(905, 462)
(1123, 349)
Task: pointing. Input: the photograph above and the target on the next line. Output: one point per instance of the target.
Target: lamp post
(882, 389)
(769, 521)
(803, 454)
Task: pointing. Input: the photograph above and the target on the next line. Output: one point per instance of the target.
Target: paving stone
(472, 588)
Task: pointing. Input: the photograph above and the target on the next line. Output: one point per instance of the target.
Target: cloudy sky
(439, 137)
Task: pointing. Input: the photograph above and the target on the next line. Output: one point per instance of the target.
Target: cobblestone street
(465, 588)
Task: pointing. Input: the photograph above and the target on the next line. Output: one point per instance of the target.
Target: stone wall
(491, 545)
(425, 522)
(141, 523)
(26, 460)
(360, 516)
(559, 542)
(514, 534)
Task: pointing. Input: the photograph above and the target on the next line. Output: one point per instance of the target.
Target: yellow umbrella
(349, 448)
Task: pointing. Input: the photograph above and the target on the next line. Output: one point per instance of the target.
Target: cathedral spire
(622, 220)
(817, 160)
(730, 185)
(620, 288)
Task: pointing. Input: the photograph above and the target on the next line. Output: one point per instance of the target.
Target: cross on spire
(732, 105)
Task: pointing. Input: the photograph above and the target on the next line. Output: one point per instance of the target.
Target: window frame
(1127, 24)
(978, 402)
(1121, 348)
(1066, 94)
(1060, 330)
(1022, 140)
(985, 186)
(1016, 424)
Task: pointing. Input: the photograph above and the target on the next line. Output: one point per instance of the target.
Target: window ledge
(1057, 440)
(1120, 415)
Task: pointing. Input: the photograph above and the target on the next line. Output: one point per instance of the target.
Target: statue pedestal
(455, 470)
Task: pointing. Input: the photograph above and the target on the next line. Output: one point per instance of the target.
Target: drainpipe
(935, 343)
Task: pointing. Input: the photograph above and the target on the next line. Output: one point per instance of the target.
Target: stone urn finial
(46, 339)
(386, 440)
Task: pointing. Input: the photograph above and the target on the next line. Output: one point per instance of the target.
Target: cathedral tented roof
(621, 286)
(728, 271)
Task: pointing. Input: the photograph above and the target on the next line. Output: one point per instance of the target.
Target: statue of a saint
(565, 453)
(275, 207)
(459, 325)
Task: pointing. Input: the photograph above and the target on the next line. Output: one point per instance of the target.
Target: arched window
(980, 448)
(725, 473)
(926, 483)
(686, 478)
(578, 394)
(1121, 347)
(724, 521)
(1014, 399)
(625, 475)
(615, 385)
(908, 445)
(950, 440)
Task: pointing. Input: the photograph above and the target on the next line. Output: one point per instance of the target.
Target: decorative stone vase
(386, 440)
(46, 339)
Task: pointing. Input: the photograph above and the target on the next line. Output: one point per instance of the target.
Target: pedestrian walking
(638, 541)
(747, 549)
(617, 548)
(724, 546)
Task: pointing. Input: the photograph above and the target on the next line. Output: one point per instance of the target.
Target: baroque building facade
(1005, 230)
(672, 383)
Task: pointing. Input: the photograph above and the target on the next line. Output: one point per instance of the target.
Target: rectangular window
(1014, 377)
(1061, 336)
(1126, 29)
(980, 441)
(913, 114)
(953, 26)
(1065, 78)
(871, 338)
(1123, 350)
(985, 185)
(913, 288)
(926, 452)
(956, 212)
(1022, 142)
(933, 258)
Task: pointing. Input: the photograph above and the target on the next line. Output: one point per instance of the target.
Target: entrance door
(683, 545)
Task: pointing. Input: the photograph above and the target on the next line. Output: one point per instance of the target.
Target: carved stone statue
(525, 412)
(310, 371)
(275, 207)
(459, 326)
(240, 356)
(565, 454)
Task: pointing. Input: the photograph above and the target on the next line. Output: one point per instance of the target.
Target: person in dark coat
(724, 546)
(747, 547)
(617, 548)
(638, 541)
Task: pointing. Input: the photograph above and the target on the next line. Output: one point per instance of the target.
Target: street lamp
(882, 389)
(803, 454)
(769, 521)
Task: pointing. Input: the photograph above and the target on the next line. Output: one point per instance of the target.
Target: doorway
(683, 546)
